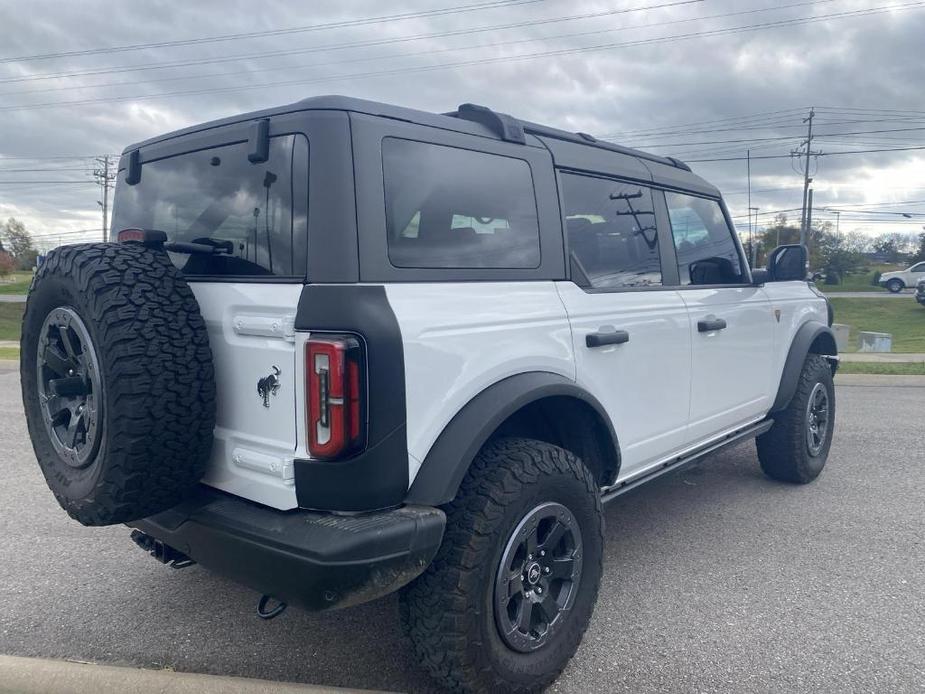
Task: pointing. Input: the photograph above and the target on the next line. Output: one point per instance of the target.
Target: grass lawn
(9, 353)
(868, 367)
(903, 318)
(10, 320)
(858, 282)
(16, 283)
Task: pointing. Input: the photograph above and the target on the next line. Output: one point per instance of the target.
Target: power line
(457, 9)
(823, 154)
(483, 61)
(375, 42)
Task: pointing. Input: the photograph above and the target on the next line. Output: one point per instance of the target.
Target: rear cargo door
(252, 208)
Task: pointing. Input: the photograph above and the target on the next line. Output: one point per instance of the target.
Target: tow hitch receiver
(165, 554)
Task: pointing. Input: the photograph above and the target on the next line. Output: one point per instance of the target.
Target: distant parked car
(899, 280)
(920, 291)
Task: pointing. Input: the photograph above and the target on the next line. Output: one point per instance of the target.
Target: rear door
(629, 325)
(207, 190)
(731, 322)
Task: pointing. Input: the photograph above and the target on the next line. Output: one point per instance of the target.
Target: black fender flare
(446, 463)
(806, 336)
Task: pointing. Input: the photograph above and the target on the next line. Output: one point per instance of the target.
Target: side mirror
(787, 263)
(760, 276)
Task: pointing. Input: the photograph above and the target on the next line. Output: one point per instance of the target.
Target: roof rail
(504, 126)
(680, 164)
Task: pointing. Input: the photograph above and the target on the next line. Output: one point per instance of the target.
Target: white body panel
(730, 368)
(250, 332)
(910, 276)
(644, 383)
(460, 338)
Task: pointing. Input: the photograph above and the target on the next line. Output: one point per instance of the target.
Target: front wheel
(797, 446)
(507, 600)
(895, 286)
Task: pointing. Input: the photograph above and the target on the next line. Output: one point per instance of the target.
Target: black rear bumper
(317, 561)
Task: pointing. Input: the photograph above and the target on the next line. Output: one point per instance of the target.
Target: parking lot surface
(715, 579)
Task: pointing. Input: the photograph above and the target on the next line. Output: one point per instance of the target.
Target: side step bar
(673, 464)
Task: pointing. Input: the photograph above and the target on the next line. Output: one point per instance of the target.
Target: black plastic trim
(377, 477)
(449, 458)
(617, 337)
(133, 175)
(258, 141)
(504, 126)
(802, 342)
(317, 561)
(680, 461)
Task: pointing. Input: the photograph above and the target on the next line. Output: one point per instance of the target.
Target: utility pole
(809, 222)
(808, 143)
(105, 175)
(748, 172)
(837, 220)
(755, 245)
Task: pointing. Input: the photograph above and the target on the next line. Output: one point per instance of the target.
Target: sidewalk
(42, 676)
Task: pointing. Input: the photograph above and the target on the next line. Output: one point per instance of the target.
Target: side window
(455, 208)
(918, 268)
(611, 231)
(707, 253)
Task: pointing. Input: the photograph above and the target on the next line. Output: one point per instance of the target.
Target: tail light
(130, 235)
(335, 368)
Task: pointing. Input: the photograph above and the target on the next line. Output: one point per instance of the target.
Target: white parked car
(899, 280)
(341, 348)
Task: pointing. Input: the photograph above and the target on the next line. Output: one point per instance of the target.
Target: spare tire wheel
(117, 381)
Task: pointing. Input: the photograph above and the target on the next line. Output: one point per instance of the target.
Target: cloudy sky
(701, 80)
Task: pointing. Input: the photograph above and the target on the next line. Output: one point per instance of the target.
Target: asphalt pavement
(716, 579)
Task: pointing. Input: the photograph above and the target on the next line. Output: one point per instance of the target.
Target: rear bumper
(317, 561)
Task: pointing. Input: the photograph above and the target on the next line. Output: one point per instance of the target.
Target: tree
(920, 252)
(837, 254)
(19, 243)
(7, 264)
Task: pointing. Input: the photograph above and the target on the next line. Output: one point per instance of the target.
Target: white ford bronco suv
(340, 348)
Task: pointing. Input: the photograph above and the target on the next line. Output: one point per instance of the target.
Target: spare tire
(117, 381)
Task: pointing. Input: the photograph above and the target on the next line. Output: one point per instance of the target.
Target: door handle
(708, 325)
(616, 337)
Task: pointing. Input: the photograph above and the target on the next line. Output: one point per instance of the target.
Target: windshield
(257, 211)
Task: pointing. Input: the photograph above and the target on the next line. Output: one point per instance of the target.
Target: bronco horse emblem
(268, 385)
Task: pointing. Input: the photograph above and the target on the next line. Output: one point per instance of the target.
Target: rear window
(455, 208)
(256, 214)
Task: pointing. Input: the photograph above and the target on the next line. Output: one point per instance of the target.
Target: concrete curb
(43, 676)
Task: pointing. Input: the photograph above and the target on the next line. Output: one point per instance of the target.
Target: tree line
(837, 254)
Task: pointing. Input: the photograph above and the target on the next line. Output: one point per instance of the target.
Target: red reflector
(335, 369)
(130, 235)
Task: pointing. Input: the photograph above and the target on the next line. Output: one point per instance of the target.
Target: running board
(673, 464)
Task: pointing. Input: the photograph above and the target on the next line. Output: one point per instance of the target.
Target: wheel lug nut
(546, 570)
(542, 552)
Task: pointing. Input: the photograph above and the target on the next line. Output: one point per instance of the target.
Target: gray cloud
(867, 62)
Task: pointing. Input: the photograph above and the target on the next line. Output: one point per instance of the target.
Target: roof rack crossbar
(504, 126)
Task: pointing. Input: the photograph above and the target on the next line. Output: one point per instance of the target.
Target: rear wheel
(895, 285)
(507, 600)
(797, 446)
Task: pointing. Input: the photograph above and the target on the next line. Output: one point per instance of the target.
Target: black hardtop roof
(497, 126)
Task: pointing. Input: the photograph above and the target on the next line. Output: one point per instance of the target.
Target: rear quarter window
(455, 208)
(256, 213)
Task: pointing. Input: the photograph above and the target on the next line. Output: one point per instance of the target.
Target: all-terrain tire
(449, 611)
(784, 451)
(154, 411)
